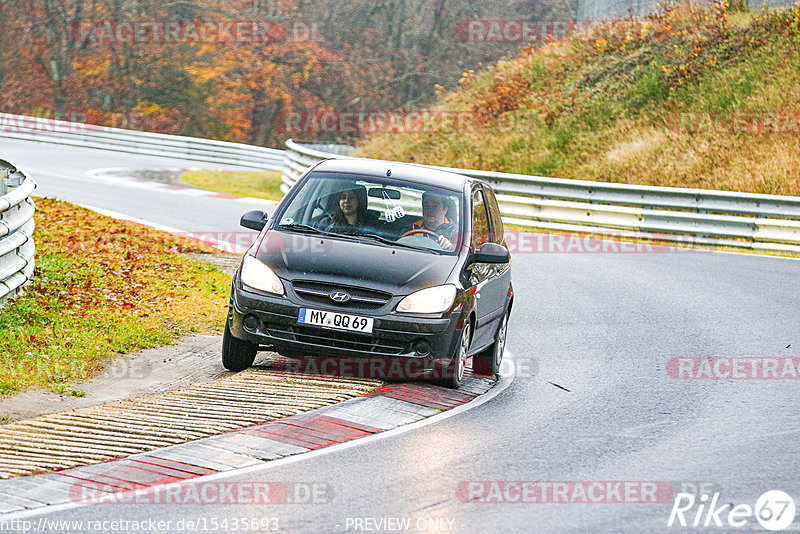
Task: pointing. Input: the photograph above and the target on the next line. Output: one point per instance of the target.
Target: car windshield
(376, 209)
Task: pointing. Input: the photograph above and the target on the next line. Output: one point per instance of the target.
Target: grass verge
(102, 287)
(256, 184)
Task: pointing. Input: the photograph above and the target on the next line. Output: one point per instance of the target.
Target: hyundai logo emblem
(339, 296)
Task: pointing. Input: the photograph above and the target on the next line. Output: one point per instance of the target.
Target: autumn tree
(325, 55)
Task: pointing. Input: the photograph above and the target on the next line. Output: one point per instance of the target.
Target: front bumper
(272, 320)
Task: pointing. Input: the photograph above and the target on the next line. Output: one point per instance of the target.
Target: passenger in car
(351, 212)
(436, 210)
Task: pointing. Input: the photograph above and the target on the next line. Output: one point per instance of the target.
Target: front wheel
(454, 373)
(237, 355)
(489, 360)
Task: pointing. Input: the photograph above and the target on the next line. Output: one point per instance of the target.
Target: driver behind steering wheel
(435, 209)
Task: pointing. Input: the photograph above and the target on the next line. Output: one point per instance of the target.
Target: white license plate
(339, 321)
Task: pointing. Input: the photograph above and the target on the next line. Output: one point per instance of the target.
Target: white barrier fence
(16, 231)
(698, 216)
(44, 130)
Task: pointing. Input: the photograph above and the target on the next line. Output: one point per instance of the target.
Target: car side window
(495, 218)
(480, 221)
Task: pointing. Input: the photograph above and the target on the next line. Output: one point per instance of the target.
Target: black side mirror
(255, 220)
(492, 253)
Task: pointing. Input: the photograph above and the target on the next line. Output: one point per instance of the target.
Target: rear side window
(480, 221)
(495, 218)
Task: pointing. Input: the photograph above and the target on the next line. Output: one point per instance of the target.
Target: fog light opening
(422, 347)
(250, 323)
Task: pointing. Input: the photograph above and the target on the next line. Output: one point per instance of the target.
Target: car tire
(454, 372)
(489, 360)
(237, 355)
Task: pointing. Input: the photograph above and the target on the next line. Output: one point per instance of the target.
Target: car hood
(391, 269)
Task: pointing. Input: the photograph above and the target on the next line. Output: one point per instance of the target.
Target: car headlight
(258, 276)
(431, 300)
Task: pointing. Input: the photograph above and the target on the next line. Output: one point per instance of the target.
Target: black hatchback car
(379, 261)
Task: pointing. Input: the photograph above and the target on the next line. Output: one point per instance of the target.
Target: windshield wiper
(304, 228)
(388, 241)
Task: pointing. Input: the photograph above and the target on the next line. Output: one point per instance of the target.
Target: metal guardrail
(699, 216)
(57, 132)
(16, 231)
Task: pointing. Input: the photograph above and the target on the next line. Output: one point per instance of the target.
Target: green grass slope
(692, 97)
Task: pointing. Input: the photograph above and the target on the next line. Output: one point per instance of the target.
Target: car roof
(417, 174)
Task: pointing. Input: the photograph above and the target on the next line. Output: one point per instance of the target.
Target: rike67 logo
(774, 510)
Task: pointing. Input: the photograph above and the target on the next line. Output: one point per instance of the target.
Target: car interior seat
(452, 211)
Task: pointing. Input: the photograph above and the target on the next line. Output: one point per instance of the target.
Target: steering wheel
(425, 231)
